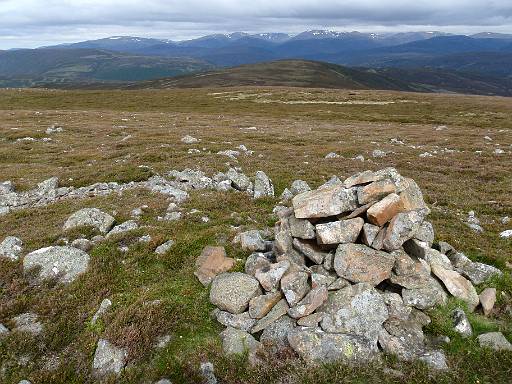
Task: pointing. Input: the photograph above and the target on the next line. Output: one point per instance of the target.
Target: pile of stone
(349, 273)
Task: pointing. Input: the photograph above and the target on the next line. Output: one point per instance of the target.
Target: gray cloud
(38, 22)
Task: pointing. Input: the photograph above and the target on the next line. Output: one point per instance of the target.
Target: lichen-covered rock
(359, 263)
(314, 299)
(269, 277)
(401, 228)
(316, 346)
(252, 241)
(260, 306)
(301, 228)
(63, 263)
(108, 359)
(402, 338)
(494, 340)
(274, 338)
(461, 323)
(457, 285)
(329, 201)
(11, 248)
(294, 286)
(425, 298)
(28, 322)
(242, 321)
(127, 226)
(356, 310)
(232, 291)
(237, 342)
(92, 217)
(263, 186)
(375, 191)
(339, 232)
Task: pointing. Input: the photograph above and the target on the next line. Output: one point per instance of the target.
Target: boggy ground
(109, 135)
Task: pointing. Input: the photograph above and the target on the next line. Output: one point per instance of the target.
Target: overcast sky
(32, 23)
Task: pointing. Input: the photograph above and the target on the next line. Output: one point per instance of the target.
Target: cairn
(349, 273)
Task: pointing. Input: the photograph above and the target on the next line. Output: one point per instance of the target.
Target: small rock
(274, 338)
(164, 248)
(104, 306)
(298, 187)
(11, 248)
(401, 228)
(309, 249)
(189, 139)
(325, 202)
(384, 210)
(65, 263)
(237, 342)
(357, 310)
(506, 234)
(457, 285)
(495, 340)
(369, 233)
(82, 244)
(314, 299)
(295, 286)
(108, 358)
(269, 277)
(488, 299)
(260, 306)
(232, 291)
(435, 360)
(301, 228)
(28, 322)
(461, 323)
(90, 217)
(275, 313)
(239, 180)
(375, 191)
(211, 262)
(359, 263)
(263, 186)
(255, 262)
(339, 232)
(378, 153)
(127, 226)
(208, 373)
(315, 346)
(252, 241)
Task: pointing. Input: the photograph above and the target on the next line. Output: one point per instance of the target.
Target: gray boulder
(325, 202)
(252, 241)
(63, 263)
(90, 217)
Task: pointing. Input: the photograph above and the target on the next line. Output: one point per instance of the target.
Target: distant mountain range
(124, 58)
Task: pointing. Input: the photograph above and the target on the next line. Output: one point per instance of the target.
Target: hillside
(82, 66)
(128, 305)
(301, 73)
